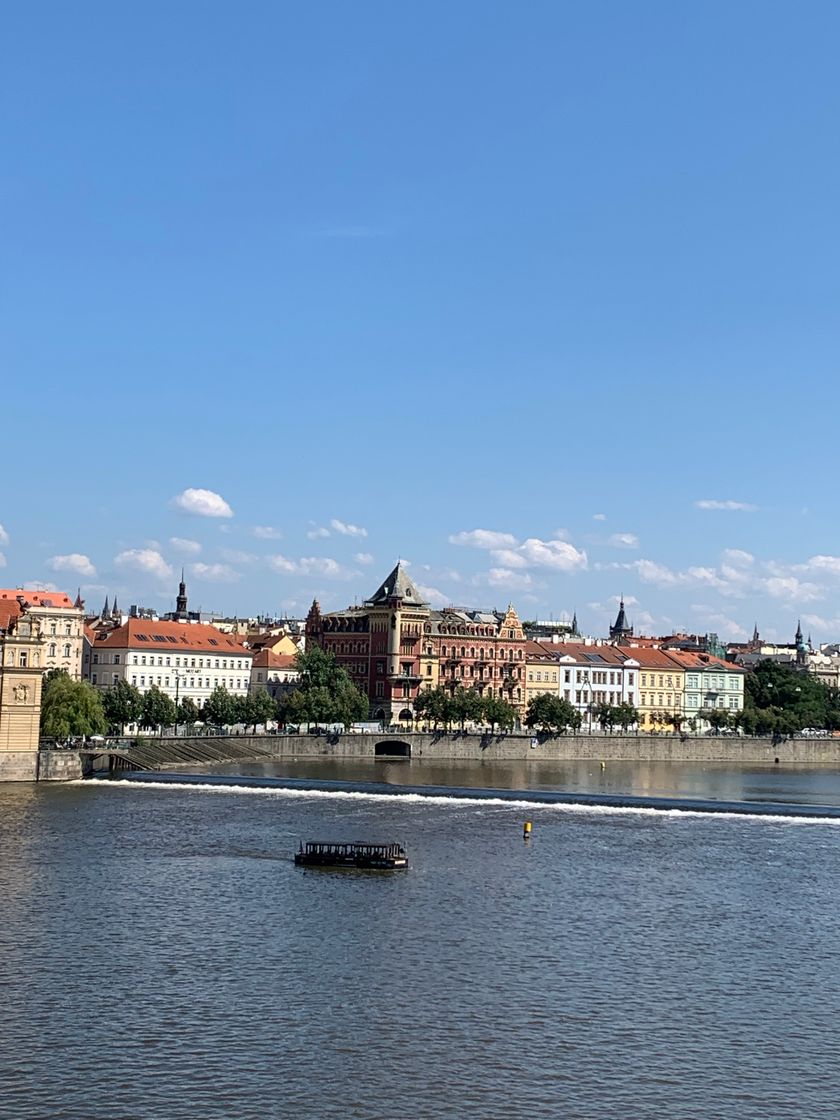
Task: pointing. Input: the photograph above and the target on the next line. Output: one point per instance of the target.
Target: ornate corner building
(21, 669)
(394, 645)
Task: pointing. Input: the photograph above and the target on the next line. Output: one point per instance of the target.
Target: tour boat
(368, 857)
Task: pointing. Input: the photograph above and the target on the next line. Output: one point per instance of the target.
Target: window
(134, 680)
(116, 659)
(67, 650)
(67, 631)
(93, 678)
(115, 678)
(52, 649)
(567, 676)
(52, 628)
(96, 659)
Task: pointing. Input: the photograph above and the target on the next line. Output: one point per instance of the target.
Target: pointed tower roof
(79, 604)
(115, 610)
(798, 638)
(106, 610)
(397, 585)
(574, 623)
(620, 628)
(755, 636)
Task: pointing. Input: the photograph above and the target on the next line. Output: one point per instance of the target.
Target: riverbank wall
(603, 748)
(185, 753)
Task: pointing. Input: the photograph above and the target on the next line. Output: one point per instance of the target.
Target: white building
(181, 658)
(584, 673)
(274, 672)
(710, 684)
(61, 623)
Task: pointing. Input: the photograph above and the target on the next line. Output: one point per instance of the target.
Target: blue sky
(509, 291)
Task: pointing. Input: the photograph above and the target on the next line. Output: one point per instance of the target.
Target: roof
(705, 662)
(147, 635)
(579, 653)
(8, 611)
(266, 659)
(38, 598)
(653, 658)
(397, 585)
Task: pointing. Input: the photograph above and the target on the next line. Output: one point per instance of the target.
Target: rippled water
(161, 957)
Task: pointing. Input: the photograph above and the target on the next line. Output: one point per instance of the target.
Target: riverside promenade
(181, 753)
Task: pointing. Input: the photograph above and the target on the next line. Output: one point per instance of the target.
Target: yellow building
(21, 671)
(661, 688)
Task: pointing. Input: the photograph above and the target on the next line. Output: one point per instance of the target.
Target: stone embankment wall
(43, 766)
(606, 748)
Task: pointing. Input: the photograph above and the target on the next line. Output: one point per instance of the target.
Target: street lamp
(178, 676)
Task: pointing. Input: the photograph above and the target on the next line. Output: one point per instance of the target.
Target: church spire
(106, 610)
(181, 614)
(620, 628)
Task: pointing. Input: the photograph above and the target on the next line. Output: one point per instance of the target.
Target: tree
(122, 704)
(435, 705)
(550, 713)
(626, 715)
(606, 715)
(188, 712)
(498, 711)
(466, 705)
(259, 707)
(717, 718)
(325, 692)
(158, 709)
(70, 708)
(219, 708)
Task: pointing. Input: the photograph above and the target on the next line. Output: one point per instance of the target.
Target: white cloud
(182, 544)
(237, 556)
(38, 585)
(483, 538)
(2, 560)
(791, 589)
(434, 597)
(737, 557)
(202, 503)
(73, 562)
(830, 564)
(4, 536)
(504, 577)
(311, 565)
(214, 573)
(145, 560)
(560, 556)
(267, 533)
(363, 558)
(722, 624)
(728, 504)
(347, 530)
(318, 534)
(624, 540)
(599, 517)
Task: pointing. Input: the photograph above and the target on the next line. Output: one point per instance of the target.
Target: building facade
(181, 658)
(21, 673)
(586, 674)
(61, 624)
(395, 645)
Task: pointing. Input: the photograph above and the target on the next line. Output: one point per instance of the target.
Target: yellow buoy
(526, 831)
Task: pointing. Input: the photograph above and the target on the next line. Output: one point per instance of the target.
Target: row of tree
(778, 701)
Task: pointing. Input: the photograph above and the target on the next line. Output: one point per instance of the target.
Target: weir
(519, 797)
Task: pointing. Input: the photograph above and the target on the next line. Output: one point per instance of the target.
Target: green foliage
(70, 708)
(122, 704)
(324, 693)
(158, 709)
(188, 712)
(466, 705)
(258, 707)
(779, 700)
(220, 708)
(551, 713)
(435, 705)
(498, 713)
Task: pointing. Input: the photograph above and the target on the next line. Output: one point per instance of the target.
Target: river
(162, 958)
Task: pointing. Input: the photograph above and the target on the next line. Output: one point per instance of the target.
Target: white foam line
(434, 799)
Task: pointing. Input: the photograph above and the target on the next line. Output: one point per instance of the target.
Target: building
(621, 630)
(181, 658)
(586, 674)
(61, 624)
(22, 659)
(394, 645)
(710, 683)
(276, 673)
(661, 688)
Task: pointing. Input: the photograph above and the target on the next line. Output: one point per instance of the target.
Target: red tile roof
(37, 598)
(266, 659)
(172, 637)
